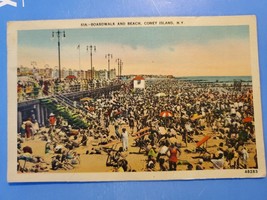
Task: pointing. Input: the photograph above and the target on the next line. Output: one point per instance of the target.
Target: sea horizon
(216, 78)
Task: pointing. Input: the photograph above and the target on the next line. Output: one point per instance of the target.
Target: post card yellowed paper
(157, 98)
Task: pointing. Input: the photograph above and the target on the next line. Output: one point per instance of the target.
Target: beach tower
(139, 82)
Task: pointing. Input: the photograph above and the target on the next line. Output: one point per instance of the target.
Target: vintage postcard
(159, 98)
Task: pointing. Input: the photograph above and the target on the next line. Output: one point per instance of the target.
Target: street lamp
(59, 34)
(92, 48)
(108, 56)
(120, 63)
(33, 64)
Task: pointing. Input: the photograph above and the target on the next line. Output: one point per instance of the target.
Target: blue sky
(143, 47)
(149, 37)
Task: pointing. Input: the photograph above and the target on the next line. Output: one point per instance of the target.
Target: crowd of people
(195, 110)
(35, 88)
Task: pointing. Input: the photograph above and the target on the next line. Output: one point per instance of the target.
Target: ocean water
(214, 79)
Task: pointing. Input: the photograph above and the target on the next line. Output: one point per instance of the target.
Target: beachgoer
(131, 124)
(150, 163)
(116, 126)
(152, 152)
(199, 165)
(52, 122)
(218, 160)
(124, 138)
(244, 157)
(28, 128)
(173, 157)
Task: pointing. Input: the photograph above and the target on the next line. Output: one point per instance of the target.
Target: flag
(78, 47)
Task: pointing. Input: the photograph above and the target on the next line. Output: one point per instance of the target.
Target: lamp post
(108, 56)
(59, 34)
(91, 48)
(33, 64)
(120, 63)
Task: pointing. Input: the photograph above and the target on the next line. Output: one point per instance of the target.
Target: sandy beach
(209, 126)
(137, 161)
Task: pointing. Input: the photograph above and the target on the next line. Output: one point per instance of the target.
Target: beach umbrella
(27, 149)
(161, 94)
(71, 77)
(165, 114)
(86, 99)
(166, 117)
(247, 119)
(195, 117)
(91, 109)
(117, 113)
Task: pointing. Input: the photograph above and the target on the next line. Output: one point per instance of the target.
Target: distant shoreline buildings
(53, 73)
